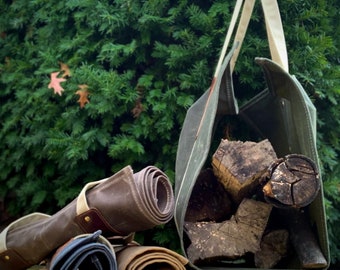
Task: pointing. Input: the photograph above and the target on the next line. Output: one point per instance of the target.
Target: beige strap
(82, 205)
(275, 33)
(230, 31)
(241, 30)
(276, 38)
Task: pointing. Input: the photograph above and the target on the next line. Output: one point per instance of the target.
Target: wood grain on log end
(293, 181)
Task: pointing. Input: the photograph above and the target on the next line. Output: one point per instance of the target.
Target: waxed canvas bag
(282, 113)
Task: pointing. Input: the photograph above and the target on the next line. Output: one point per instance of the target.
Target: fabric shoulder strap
(274, 28)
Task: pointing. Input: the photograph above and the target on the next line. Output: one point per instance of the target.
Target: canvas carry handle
(230, 31)
(275, 33)
(276, 38)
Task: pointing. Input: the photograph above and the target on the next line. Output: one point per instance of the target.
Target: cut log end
(293, 182)
(240, 165)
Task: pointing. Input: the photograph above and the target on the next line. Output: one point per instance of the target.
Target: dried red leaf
(55, 83)
(83, 95)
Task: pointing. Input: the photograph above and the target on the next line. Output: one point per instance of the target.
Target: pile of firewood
(249, 208)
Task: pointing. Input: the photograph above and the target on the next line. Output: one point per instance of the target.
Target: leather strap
(10, 260)
(92, 220)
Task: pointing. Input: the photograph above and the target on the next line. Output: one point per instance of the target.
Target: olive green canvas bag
(282, 113)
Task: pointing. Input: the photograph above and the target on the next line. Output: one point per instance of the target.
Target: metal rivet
(87, 219)
(7, 258)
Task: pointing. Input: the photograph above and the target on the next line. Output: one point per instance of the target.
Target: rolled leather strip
(156, 195)
(85, 252)
(128, 202)
(119, 205)
(149, 257)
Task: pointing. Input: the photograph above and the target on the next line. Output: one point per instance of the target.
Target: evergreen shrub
(144, 62)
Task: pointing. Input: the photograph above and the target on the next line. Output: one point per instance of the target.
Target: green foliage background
(159, 52)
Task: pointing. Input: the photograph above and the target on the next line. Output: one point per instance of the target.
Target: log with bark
(303, 239)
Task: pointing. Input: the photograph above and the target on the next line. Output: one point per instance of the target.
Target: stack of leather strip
(79, 235)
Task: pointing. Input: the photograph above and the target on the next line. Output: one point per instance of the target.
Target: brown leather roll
(130, 202)
(149, 257)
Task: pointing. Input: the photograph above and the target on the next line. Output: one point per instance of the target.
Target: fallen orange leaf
(83, 95)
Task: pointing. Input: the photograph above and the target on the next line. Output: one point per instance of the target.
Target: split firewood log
(293, 182)
(239, 166)
(232, 238)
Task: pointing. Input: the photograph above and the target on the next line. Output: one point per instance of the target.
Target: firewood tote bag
(282, 113)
